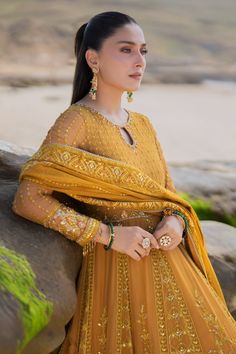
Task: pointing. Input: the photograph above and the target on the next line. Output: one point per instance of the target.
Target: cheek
(119, 57)
(114, 67)
(116, 62)
(112, 75)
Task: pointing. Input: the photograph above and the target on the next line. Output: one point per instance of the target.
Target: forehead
(130, 32)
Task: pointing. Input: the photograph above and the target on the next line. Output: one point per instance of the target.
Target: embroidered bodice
(80, 126)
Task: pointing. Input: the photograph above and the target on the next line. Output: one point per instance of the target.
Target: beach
(193, 122)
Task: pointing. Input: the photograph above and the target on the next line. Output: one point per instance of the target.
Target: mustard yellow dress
(160, 304)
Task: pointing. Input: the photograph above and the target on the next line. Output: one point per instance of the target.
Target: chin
(134, 88)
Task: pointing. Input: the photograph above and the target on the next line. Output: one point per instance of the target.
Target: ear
(92, 58)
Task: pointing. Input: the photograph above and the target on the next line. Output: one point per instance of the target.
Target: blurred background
(188, 90)
(189, 94)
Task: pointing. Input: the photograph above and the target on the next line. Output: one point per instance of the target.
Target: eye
(144, 51)
(126, 50)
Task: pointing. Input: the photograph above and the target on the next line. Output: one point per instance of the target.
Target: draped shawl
(103, 181)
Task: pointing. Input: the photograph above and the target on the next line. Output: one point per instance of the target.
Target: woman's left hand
(172, 226)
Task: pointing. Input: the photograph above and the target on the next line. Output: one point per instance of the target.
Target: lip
(136, 76)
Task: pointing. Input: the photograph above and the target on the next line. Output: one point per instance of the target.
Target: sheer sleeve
(36, 203)
(169, 184)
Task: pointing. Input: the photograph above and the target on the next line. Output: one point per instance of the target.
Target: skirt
(160, 304)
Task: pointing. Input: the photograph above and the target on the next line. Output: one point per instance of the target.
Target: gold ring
(146, 242)
(165, 240)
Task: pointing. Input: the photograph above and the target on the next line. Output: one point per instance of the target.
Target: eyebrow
(130, 42)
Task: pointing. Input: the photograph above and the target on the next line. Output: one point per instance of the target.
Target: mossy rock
(44, 254)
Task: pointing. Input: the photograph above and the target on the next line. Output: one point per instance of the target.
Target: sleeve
(169, 184)
(36, 203)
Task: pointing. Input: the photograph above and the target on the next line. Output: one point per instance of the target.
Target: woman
(146, 284)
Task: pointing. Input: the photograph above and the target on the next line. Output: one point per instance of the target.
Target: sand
(193, 122)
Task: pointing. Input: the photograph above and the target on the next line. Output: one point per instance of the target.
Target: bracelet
(168, 212)
(181, 220)
(112, 236)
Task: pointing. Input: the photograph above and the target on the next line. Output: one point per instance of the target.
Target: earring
(129, 96)
(94, 86)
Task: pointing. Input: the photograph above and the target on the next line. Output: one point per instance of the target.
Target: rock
(54, 259)
(221, 246)
(214, 181)
(15, 149)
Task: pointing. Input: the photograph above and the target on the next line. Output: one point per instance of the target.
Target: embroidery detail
(211, 289)
(123, 311)
(84, 337)
(76, 159)
(221, 341)
(99, 114)
(77, 227)
(131, 190)
(144, 334)
(174, 320)
(103, 325)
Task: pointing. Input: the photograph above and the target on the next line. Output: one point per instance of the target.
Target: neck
(108, 101)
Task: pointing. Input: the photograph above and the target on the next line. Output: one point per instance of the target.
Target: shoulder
(144, 120)
(141, 117)
(68, 127)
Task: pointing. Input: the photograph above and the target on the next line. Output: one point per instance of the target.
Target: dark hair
(91, 35)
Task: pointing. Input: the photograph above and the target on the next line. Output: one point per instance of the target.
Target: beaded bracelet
(168, 212)
(112, 236)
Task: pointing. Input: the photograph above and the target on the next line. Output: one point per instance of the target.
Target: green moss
(229, 219)
(205, 210)
(18, 279)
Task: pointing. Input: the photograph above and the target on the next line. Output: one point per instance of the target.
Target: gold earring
(129, 96)
(94, 86)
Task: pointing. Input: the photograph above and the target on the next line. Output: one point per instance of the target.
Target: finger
(140, 250)
(160, 232)
(175, 239)
(135, 256)
(147, 234)
(175, 244)
(171, 248)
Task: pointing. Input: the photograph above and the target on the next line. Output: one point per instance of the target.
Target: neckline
(104, 117)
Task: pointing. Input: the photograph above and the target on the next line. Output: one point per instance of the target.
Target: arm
(36, 203)
(169, 184)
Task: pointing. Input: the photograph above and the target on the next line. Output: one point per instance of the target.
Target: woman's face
(122, 55)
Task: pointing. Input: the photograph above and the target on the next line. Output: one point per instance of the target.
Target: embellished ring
(146, 242)
(165, 240)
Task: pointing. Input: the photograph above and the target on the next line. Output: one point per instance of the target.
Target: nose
(141, 61)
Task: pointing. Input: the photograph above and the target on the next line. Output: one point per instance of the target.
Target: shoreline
(34, 75)
(193, 122)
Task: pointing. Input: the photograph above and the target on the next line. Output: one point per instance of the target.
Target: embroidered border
(102, 339)
(221, 342)
(123, 306)
(86, 311)
(144, 333)
(170, 306)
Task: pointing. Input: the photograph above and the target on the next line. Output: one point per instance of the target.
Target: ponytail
(83, 74)
(79, 38)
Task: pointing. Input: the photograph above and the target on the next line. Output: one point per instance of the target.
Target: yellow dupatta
(102, 181)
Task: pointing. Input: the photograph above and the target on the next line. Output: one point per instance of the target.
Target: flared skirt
(160, 304)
